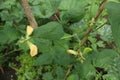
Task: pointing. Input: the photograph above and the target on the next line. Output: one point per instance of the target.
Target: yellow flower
(33, 49)
(29, 30)
(72, 52)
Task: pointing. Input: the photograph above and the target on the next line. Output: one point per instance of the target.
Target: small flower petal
(33, 49)
(29, 30)
(72, 52)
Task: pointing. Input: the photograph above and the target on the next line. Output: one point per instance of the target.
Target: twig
(100, 26)
(1, 69)
(88, 32)
(91, 26)
(68, 72)
(8, 53)
(29, 14)
(100, 9)
(13, 68)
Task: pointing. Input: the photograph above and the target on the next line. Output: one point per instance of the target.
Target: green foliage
(72, 11)
(106, 61)
(50, 31)
(95, 43)
(48, 76)
(55, 54)
(44, 8)
(26, 69)
(62, 26)
(85, 71)
(93, 9)
(60, 72)
(114, 71)
(70, 4)
(114, 18)
(72, 15)
(9, 36)
(73, 77)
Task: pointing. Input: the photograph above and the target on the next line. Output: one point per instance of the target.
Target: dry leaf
(33, 49)
(29, 30)
(72, 52)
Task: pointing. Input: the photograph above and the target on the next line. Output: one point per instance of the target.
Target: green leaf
(110, 77)
(61, 56)
(23, 46)
(50, 31)
(5, 15)
(72, 10)
(114, 18)
(87, 50)
(114, 70)
(72, 15)
(60, 73)
(44, 59)
(43, 45)
(45, 8)
(104, 58)
(100, 44)
(47, 76)
(94, 46)
(16, 14)
(106, 33)
(93, 9)
(73, 77)
(7, 4)
(8, 34)
(92, 40)
(56, 54)
(86, 71)
(72, 4)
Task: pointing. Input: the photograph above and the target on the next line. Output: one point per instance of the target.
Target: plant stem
(14, 68)
(29, 14)
(68, 72)
(90, 28)
(101, 26)
(1, 69)
(87, 33)
(10, 52)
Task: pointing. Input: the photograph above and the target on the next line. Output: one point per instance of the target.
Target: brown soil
(9, 74)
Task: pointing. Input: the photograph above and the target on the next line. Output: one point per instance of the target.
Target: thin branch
(100, 9)
(29, 14)
(100, 26)
(1, 69)
(13, 68)
(68, 72)
(87, 33)
(8, 53)
(91, 26)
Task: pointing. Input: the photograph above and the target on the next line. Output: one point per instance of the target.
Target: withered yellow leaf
(72, 52)
(29, 30)
(33, 49)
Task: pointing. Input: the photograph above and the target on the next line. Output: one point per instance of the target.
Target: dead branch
(29, 13)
